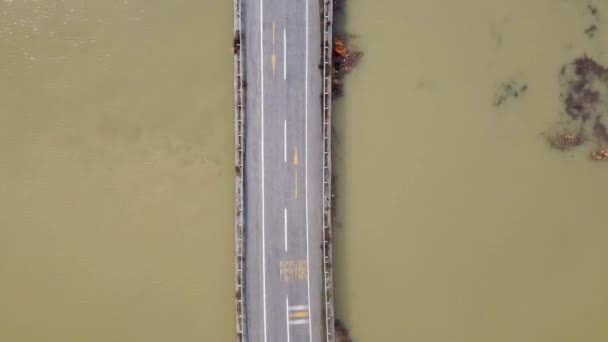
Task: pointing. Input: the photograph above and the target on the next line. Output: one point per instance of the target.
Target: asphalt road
(283, 170)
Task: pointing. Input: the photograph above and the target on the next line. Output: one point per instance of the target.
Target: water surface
(456, 220)
(116, 177)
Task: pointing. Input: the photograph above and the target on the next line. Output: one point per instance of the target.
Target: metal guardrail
(327, 170)
(239, 145)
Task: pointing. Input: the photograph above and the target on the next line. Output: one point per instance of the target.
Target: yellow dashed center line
(300, 314)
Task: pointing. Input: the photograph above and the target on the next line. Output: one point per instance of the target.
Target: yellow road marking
(298, 314)
(295, 163)
(293, 270)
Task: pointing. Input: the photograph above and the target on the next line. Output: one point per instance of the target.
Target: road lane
(283, 272)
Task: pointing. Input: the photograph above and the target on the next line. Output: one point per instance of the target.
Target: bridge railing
(239, 145)
(327, 170)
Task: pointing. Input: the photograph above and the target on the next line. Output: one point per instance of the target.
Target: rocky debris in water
(584, 85)
(342, 333)
(601, 153)
(564, 141)
(345, 57)
(509, 89)
(344, 60)
(339, 49)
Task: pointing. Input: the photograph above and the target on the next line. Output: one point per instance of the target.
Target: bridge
(282, 64)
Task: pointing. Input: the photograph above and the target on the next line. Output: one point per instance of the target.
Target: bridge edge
(327, 170)
(239, 147)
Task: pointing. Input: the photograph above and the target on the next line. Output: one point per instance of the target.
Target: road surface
(283, 170)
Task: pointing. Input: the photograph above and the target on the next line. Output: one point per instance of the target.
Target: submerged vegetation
(584, 84)
(344, 59)
(345, 56)
(564, 141)
(342, 333)
(509, 89)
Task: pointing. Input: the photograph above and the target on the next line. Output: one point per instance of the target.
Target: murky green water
(116, 176)
(457, 222)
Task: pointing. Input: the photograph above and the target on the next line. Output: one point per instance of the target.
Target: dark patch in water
(509, 89)
(584, 84)
(590, 31)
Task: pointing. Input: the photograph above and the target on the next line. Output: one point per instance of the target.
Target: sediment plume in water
(584, 84)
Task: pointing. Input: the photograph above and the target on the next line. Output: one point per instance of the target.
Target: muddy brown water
(116, 171)
(456, 221)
